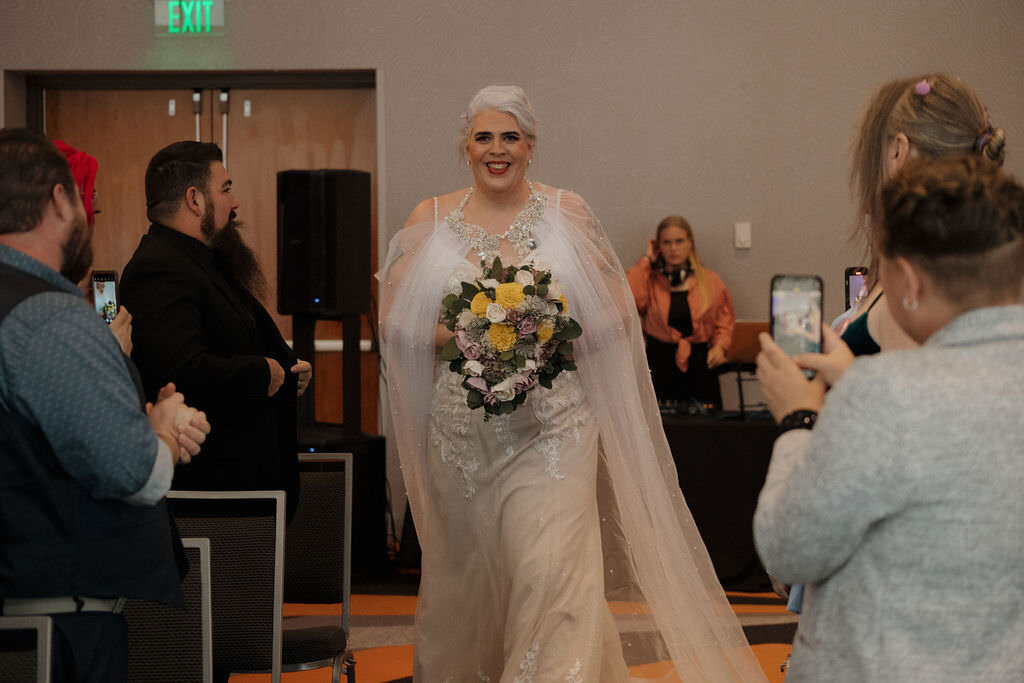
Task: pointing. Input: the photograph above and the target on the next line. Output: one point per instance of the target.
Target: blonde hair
(940, 115)
(696, 265)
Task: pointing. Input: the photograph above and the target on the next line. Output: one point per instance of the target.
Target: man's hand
(784, 385)
(305, 372)
(716, 356)
(121, 326)
(183, 428)
(276, 376)
(831, 364)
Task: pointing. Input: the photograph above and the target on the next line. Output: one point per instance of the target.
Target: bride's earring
(468, 164)
(909, 305)
(529, 161)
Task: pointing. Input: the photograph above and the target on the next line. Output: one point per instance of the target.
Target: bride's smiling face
(497, 151)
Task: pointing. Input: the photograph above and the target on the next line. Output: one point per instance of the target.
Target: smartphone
(856, 281)
(796, 314)
(104, 292)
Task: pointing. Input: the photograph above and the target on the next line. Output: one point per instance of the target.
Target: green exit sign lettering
(189, 17)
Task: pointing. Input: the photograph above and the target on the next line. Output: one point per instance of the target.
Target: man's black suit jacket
(194, 326)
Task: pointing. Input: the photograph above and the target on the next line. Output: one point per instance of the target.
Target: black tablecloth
(722, 464)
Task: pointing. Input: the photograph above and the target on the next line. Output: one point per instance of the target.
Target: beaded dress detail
(519, 233)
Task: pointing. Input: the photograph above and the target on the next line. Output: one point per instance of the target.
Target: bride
(556, 542)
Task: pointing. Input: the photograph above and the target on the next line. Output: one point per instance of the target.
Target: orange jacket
(713, 316)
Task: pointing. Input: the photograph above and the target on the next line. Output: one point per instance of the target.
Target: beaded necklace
(519, 233)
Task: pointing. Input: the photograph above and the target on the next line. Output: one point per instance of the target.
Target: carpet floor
(382, 637)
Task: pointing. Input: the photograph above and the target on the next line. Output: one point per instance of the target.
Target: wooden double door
(267, 130)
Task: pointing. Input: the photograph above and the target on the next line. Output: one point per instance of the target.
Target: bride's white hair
(505, 98)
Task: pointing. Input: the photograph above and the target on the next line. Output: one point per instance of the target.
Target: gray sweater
(903, 511)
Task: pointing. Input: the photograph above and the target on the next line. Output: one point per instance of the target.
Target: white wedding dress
(556, 544)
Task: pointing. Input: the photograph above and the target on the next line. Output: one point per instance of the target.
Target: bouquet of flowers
(512, 332)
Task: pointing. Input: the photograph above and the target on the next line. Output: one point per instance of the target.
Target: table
(722, 463)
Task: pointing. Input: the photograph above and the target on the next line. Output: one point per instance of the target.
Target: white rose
(466, 319)
(495, 313)
(490, 283)
(531, 364)
(504, 390)
(524, 278)
(473, 368)
(554, 291)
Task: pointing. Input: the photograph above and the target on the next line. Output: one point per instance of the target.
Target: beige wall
(724, 111)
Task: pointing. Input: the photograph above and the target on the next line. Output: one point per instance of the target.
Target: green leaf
(529, 290)
(544, 380)
(450, 351)
(449, 300)
(496, 268)
(469, 291)
(542, 290)
(568, 365)
(456, 366)
(459, 306)
(507, 355)
(474, 399)
(571, 330)
(564, 349)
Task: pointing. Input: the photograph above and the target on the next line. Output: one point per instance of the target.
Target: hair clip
(979, 144)
(922, 87)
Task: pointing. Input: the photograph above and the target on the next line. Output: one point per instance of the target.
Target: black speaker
(323, 242)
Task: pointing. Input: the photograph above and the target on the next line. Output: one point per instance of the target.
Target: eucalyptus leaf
(450, 351)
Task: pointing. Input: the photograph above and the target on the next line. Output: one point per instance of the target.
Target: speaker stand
(369, 500)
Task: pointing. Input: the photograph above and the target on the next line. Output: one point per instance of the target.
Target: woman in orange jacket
(687, 315)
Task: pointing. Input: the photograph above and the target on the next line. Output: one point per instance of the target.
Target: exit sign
(189, 17)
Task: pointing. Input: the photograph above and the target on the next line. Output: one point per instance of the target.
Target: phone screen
(796, 314)
(104, 291)
(856, 281)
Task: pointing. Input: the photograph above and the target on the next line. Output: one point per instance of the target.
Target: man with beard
(194, 289)
(84, 465)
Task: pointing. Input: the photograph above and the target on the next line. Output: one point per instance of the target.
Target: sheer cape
(658, 574)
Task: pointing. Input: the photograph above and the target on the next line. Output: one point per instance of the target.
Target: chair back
(246, 533)
(26, 647)
(745, 346)
(318, 541)
(171, 645)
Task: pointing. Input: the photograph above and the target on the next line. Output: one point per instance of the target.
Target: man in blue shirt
(84, 465)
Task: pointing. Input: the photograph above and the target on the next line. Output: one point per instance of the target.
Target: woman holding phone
(900, 510)
(687, 315)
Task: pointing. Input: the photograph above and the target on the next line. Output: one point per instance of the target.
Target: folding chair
(26, 648)
(170, 645)
(246, 533)
(318, 564)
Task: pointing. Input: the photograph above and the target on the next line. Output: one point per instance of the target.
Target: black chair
(246, 533)
(318, 566)
(171, 645)
(26, 647)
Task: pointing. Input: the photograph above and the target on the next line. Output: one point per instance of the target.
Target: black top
(679, 313)
(858, 337)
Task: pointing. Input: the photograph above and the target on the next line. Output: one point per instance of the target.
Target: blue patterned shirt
(62, 368)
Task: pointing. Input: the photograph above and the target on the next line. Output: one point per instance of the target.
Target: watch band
(798, 419)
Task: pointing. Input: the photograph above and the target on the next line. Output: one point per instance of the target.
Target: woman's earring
(467, 163)
(909, 305)
(529, 161)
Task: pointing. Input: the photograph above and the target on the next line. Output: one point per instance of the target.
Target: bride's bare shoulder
(424, 211)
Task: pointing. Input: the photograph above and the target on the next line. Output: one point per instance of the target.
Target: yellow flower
(508, 294)
(544, 331)
(502, 336)
(479, 303)
(565, 304)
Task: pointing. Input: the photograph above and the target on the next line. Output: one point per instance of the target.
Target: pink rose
(470, 350)
(526, 326)
(478, 383)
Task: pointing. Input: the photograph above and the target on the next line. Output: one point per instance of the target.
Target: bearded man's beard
(76, 252)
(233, 256)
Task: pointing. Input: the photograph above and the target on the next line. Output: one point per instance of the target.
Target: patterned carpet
(382, 636)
